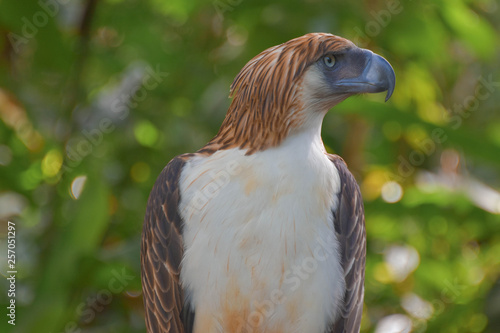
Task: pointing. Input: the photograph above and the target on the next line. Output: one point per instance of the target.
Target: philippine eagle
(262, 230)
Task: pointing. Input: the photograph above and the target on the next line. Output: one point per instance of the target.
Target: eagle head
(290, 87)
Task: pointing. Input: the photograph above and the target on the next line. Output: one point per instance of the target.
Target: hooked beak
(377, 76)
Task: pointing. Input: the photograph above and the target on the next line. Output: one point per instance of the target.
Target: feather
(161, 255)
(349, 222)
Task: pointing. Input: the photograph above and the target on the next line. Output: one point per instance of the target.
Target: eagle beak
(377, 76)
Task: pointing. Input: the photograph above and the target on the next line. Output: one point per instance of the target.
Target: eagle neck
(256, 130)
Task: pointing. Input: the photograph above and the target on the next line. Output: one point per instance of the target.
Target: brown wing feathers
(161, 255)
(350, 228)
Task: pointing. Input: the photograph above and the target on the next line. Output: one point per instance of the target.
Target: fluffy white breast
(260, 246)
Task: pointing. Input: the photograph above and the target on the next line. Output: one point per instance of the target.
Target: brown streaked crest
(265, 94)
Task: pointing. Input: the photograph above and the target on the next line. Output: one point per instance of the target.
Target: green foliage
(97, 96)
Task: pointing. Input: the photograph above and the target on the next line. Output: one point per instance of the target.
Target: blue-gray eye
(329, 60)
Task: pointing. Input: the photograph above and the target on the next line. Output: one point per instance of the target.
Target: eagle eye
(329, 60)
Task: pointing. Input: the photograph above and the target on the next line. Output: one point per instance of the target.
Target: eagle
(262, 230)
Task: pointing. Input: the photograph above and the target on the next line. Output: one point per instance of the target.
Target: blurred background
(96, 96)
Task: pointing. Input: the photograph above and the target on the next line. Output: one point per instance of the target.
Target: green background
(103, 93)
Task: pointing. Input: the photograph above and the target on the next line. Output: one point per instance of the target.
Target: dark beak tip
(389, 77)
(389, 93)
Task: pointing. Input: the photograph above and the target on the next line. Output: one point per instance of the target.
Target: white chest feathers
(260, 245)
